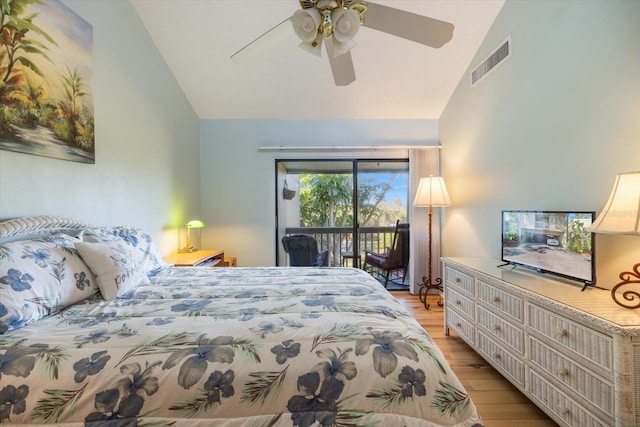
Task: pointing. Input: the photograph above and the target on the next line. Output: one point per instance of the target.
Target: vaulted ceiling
(395, 78)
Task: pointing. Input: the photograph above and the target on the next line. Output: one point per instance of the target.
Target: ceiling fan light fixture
(338, 21)
(340, 48)
(305, 24)
(314, 47)
(346, 24)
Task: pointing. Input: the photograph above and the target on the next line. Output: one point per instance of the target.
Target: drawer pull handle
(496, 299)
(496, 328)
(496, 355)
(564, 372)
(458, 303)
(458, 325)
(564, 411)
(458, 280)
(563, 333)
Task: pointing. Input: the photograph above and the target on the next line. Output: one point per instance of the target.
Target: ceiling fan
(336, 22)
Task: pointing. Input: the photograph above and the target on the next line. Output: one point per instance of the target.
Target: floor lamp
(431, 193)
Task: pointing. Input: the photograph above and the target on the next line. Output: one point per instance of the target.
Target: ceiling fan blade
(341, 66)
(408, 25)
(263, 43)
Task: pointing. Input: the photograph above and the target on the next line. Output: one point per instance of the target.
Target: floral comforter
(231, 347)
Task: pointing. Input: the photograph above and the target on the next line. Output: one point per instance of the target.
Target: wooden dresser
(574, 354)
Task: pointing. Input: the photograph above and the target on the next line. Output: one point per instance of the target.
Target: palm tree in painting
(70, 108)
(15, 44)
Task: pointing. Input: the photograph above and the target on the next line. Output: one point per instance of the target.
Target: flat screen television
(554, 242)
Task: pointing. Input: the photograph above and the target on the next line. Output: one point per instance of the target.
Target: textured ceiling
(395, 78)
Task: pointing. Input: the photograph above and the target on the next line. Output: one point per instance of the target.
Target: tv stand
(574, 354)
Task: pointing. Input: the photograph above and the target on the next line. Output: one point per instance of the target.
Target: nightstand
(230, 261)
(201, 258)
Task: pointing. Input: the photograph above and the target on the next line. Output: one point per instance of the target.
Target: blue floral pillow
(40, 277)
(141, 241)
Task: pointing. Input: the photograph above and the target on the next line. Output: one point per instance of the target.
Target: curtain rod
(347, 148)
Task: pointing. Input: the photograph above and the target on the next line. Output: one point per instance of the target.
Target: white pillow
(117, 266)
(140, 240)
(39, 277)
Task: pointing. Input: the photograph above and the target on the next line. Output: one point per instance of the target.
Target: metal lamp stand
(428, 282)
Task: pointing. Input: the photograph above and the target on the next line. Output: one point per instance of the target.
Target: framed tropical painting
(46, 70)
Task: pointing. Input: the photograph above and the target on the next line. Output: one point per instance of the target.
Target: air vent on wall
(492, 61)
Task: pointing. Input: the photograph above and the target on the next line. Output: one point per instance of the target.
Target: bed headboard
(17, 228)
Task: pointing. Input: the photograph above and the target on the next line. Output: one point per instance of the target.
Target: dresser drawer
(500, 300)
(459, 280)
(589, 345)
(565, 408)
(501, 330)
(596, 390)
(503, 360)
(461, 303)
(464, 328)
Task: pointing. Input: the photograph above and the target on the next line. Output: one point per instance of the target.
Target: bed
(95, 330)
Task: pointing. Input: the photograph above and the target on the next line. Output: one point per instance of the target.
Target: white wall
(238, 180)
(548, 129)
(147, 141)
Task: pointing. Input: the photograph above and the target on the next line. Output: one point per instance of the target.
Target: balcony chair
(394, 260)
(347, 253)
(303, 251)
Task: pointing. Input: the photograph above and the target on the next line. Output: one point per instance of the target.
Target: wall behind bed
(238, 193)
(146, 172)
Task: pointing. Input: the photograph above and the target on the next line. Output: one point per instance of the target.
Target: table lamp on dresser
(621, 215)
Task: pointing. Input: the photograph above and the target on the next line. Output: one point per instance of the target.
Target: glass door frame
(355, 168)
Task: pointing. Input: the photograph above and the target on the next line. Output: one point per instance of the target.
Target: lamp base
(427, 285)
(187, 250)
(627, 278)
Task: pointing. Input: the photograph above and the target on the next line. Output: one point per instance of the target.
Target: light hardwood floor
(499, 403)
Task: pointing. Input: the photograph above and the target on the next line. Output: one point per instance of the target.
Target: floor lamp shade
(432, 192)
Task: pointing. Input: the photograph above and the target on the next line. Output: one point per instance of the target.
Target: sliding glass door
(346, 205)
(382, 195)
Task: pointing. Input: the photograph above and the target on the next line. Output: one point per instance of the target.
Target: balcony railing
(339, 241)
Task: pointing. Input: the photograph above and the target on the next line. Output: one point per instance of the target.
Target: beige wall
(147, 141)
(548, 129)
